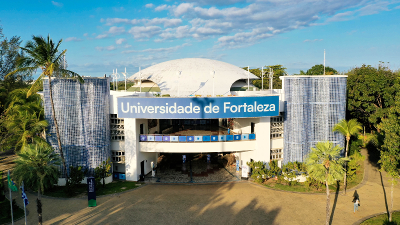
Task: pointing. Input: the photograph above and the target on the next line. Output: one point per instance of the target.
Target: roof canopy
(193, 76)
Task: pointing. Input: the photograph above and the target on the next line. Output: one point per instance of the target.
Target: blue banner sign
(198, 108)
(205, 138)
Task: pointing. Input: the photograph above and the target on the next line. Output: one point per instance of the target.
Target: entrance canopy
(198, 108)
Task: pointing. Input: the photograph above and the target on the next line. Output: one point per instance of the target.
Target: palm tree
(36, 165)
(23, 120)
(348, 129)
(44, 54)
(325, 165)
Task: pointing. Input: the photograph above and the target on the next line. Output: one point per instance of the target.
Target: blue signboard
(198, 108)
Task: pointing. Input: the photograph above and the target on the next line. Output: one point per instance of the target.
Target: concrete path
(229, 203)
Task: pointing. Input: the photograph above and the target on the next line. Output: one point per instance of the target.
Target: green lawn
(5, 212)
(379, 220)
(81, 190)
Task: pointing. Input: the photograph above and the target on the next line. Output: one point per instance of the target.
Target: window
(116, 128)
(277, 126)
(118, 156)
(276, 154)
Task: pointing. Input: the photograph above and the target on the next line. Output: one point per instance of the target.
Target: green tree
(348, 129)
(102, 172)
(278, 70)
(325, 165)
(9, 53)
(390, 151)
(44, 54)
(36, 165)
(371, 92)
(23, 121)
(319, 70)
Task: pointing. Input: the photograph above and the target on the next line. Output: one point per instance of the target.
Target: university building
(192, 106)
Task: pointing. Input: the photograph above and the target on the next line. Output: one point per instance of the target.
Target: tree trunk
(39, 207)
(345, 165)
(57, 131)
(328, 203)
(391, 203)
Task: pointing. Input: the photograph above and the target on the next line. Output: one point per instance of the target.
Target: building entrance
(193, 168)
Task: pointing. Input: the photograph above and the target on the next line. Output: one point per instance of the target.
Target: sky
(101, 36)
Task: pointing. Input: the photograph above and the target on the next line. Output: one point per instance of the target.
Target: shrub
(354, 165)
(259, 171)
(76, 175)
(274, 170)
(311, 183)
(289, 173)
(101, 172)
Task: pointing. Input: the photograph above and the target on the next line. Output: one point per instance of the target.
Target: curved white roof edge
(194, 76)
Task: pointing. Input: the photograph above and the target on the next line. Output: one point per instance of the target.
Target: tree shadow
(334, 202)
(384, 194)
(172, 204)
(373, 155)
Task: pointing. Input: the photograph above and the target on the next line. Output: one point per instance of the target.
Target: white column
(131, 150)
(263, 140)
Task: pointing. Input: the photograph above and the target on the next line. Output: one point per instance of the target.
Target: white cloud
(162, 7)
(101, 36)
(154, 50)
(164, 21)
(238, 25)
(144, 31)
(85, 34)
(120, 41)
(72, 39)
(116, 30)
(108, 48)
(58, 4)
(150, 5)
(314, 40)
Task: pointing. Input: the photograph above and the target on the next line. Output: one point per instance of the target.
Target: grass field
(5, 212)
(379, 220)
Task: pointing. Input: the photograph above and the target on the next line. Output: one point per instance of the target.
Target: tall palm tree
(36, 165)
(348, 129)
(44, 54)
(325, 165)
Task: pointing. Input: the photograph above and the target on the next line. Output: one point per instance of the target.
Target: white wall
(118, 145)
(277, 143)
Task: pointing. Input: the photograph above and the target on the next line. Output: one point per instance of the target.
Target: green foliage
(371, 92)
(319, 70)
(23, 121)
(76, 175)
(274, 170)
(324, 163)
(390, 153)
(355, 146)
(279, 70)
(348, 129)
(36, 165)
(312, 183)
(291, 170)
(102, 171)
(259, 171)
(9, 53)
(354, 165)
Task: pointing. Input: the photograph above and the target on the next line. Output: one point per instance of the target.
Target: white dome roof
(195, 78)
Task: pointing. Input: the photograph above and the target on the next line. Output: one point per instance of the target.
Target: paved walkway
(229, 203)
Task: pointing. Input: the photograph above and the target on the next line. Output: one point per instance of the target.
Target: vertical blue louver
(82, 112)
(314, 104)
